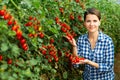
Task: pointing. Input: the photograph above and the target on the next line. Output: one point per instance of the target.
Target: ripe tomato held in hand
(70, 37)
(77, 59)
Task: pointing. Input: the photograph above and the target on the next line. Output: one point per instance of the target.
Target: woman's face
(92, 23)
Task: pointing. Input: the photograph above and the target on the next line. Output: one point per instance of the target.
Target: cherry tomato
(1, 57)
(2, 12)
(9, 61)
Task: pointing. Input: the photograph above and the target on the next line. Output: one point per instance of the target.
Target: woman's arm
(74, 45)
(75, 50)
(94, 64)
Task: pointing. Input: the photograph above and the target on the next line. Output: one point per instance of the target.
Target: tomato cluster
(73, 59)
(34, 23)
(50, 52)
(14, 27)
(65, 28)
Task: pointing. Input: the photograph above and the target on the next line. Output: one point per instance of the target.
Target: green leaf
(15, 50)
(20, 64)
(53, 30)
(11, 78)
(37, 69)
(36, 3)
(65, 75)
(33, 61)
(3, 67)
(53, 71)
(27, 72)
(11, 33)
(46, 67)
(4, 47)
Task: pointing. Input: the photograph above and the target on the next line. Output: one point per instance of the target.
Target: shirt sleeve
(108, 63)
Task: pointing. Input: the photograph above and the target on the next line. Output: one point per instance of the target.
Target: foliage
(32, 43)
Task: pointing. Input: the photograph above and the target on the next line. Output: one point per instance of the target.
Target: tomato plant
(32, 43)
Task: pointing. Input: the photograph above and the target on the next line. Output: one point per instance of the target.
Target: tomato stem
(14, 4)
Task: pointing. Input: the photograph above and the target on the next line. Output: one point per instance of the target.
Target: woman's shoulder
(105, 37)
(83, 36)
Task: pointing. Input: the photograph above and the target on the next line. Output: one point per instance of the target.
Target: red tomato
(51, 52)
(67, 54)
(19, 33)
(15, 28)
(56, 59)
(24, 45)
(25, 48)
(22, 41)
(77, 59)
(77, 1)
(41, 35)
(51, 40)
(10, 22)
(1, 57)
(71, 57)
(28, 24)
(81, 58)
(6, 16)
(43, 52)
(61, 10)
(69, 36)
(50, 60)
(63, 29)
(9, 61)
(2, 12)
(71, 17)
(30, 17)
(57, 20)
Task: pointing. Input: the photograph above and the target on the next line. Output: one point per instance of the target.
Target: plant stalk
(15, 4)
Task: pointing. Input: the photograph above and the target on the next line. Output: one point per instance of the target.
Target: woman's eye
(88, 21)
(95, 20)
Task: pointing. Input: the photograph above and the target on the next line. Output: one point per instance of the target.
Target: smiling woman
(96, 47)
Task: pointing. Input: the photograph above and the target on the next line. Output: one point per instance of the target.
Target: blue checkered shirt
(103, 54)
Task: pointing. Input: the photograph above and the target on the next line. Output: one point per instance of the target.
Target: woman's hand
(84, 61)
(71, 40)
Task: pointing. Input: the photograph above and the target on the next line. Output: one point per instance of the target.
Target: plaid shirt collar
(100, 36)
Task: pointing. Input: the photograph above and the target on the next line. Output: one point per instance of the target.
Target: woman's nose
(91, 23)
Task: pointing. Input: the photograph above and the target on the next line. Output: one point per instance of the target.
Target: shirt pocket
(99, 56)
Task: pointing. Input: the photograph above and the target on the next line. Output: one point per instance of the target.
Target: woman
(96, 47)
